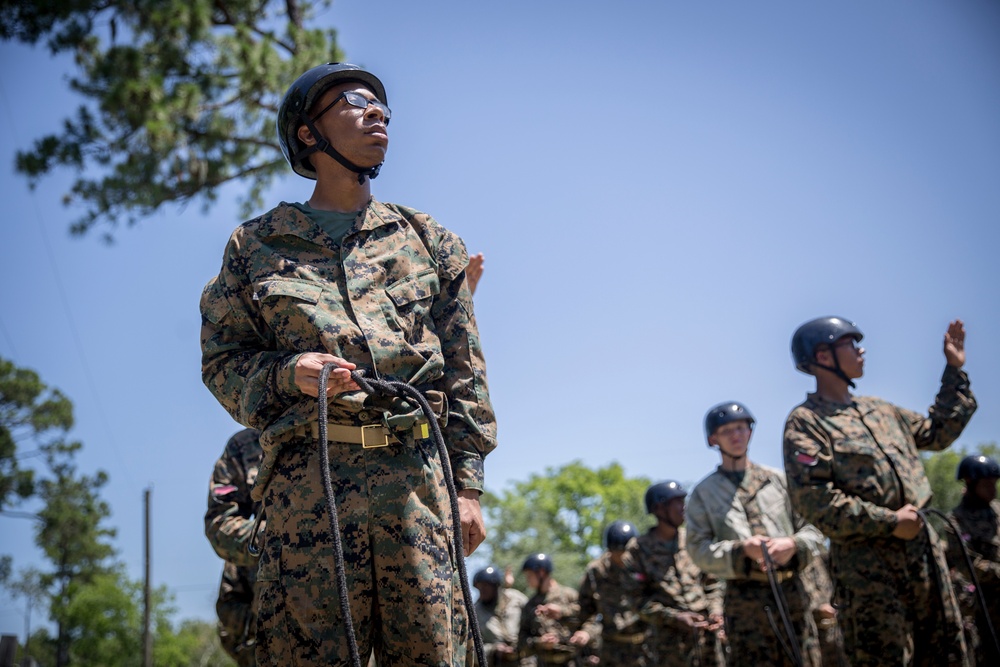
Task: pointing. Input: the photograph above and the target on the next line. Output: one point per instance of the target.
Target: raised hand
(954, 344)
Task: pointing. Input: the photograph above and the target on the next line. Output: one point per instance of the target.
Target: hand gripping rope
(792, 647)
(391, 389)
(968, 563)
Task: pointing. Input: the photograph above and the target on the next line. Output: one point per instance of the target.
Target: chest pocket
(411, 298)
(860, 468)
(290, 308)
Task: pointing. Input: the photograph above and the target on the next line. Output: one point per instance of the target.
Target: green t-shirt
(736, 476)
(334, 223)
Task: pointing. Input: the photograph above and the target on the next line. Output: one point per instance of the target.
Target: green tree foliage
(180, 97)
(95, 608)
(73, 538)
(106, 613)
(563, 513)
(193, 643)
(31, 415)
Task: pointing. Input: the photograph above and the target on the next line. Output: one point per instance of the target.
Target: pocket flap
(297, 289)
(214, 306)
(414, 287)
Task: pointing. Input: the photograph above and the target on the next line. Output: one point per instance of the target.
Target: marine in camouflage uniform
(549, 618)
(228, 526)
(380, 288)
(609, 605)
(854, 472)
(733, 516)
(498, 611)
(682, 606)
(977, 517)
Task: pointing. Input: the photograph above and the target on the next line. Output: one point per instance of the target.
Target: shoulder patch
(223, 490)
(805, 459)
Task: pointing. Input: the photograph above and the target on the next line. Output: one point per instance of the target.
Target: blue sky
(664, 191)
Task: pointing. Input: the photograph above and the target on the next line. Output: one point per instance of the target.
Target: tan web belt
(781, 576)
(636, 638)
(369, 437)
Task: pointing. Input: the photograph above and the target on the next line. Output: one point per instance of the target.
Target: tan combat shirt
(717, 521)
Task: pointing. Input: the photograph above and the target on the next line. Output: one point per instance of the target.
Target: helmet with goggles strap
(976, 467)
(300, 98)
(617, 535)
(725, 413)
(537, 563)
(662, 492)
(822, 331)
(490, 574)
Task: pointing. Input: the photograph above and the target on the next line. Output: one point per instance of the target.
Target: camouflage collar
(826, 408)
(287, 220)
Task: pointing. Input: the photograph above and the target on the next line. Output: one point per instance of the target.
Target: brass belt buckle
(374, 442)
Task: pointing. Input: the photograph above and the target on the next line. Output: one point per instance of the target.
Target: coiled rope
(392, 389)
(968, 563)
(792, 647)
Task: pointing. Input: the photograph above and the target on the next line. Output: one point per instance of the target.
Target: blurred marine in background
(228, 526)
(498, 611)
(682, 606)
(978, 519)
(609, 604)
(550, 616)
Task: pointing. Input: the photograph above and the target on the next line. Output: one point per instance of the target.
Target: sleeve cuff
(890, 521)
(285, 379)
(468, 472)
(954, 377)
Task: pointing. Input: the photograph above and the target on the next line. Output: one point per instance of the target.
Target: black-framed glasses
(850, 342)
(359, 101)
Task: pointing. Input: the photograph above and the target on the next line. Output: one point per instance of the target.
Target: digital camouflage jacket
(849, 467)
(391, 297)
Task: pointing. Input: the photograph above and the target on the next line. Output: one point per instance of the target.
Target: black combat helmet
(490, 574)
(537, 563)
(723, 414)
(617, 535)
(662, 492)
(301, 95)
(822, 331)
(976, 467)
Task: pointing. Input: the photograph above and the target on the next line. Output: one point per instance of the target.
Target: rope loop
(392, 389)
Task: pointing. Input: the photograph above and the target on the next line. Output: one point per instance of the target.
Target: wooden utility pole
(147, 638)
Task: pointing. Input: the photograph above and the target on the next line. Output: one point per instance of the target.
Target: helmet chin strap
(322, 145)
(837, 370)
